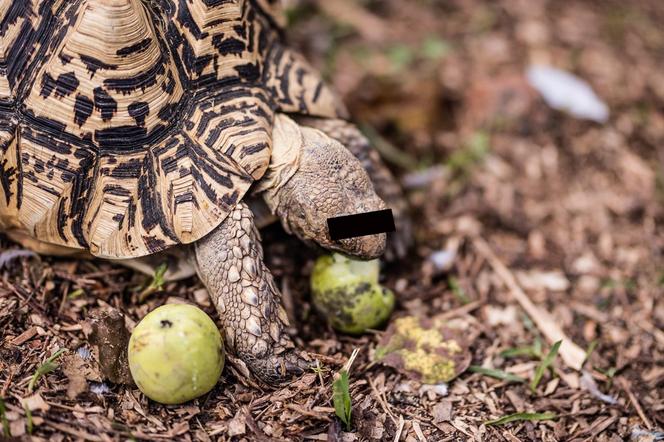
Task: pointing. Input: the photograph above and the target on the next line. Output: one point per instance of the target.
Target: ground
(515, 205)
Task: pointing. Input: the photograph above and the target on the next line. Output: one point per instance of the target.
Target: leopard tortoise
(133, 129)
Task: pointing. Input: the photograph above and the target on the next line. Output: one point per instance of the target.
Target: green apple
(176, 354)
(347, 293)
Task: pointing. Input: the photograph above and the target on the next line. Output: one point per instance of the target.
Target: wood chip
(237, 426)
(418, 431)
(35, 402)
(442, 411)
(25, 336)
(400, 425)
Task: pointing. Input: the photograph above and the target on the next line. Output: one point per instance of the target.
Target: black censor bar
(361, 224)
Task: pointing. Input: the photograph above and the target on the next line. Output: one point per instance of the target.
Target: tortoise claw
(278, 369)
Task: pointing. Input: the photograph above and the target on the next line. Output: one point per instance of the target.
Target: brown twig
(572, 354)
(383, 404)
(309, 413)
(624, 384)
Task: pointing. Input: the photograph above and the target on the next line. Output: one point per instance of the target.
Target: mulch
(511, 199)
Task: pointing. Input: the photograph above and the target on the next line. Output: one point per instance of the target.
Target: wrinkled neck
(284, 162)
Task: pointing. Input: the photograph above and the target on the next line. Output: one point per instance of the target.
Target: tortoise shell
(129, 126)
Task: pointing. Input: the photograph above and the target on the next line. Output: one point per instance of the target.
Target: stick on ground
(573, 356)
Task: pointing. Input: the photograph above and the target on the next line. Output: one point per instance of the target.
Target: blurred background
(538, 125)
(460, 99)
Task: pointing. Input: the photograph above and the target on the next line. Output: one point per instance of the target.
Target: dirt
(509, 196)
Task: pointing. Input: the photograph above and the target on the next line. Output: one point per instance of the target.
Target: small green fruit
(347, 293)
(176, 354)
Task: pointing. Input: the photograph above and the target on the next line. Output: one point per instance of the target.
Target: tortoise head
(327, 182)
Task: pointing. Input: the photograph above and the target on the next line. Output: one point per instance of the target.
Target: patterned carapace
(128, 126)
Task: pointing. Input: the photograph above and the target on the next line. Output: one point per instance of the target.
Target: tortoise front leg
(230, 264)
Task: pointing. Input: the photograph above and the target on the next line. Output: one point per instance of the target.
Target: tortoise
(135, 129)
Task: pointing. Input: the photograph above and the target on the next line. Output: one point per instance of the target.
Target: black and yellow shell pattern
(129, 126)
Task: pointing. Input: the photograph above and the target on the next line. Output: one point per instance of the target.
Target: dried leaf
(442, 412)
(78, 371)
(237, 426)
(555, 281)
(35, 402)
(428, 350)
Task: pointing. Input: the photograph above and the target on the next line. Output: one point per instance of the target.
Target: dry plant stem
(572, 354)
(383, 403)
(397, 436)
(624, 384)
(460, 311)
(418, 431)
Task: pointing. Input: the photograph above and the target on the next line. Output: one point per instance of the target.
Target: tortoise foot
(277, 369)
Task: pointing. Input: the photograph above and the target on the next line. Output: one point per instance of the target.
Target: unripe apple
(176, 354)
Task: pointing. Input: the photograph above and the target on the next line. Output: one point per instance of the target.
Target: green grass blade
(340, 391)
(590, 350)
(546, 362)
(3, 418)
(457, 290)
(48, 366)
(521, 417)
(28, 416)
(156, 284)
(530, 352)
(498, 374)
(341, 397)
(75, 294)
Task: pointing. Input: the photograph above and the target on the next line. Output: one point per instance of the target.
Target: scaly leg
(230, 264)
